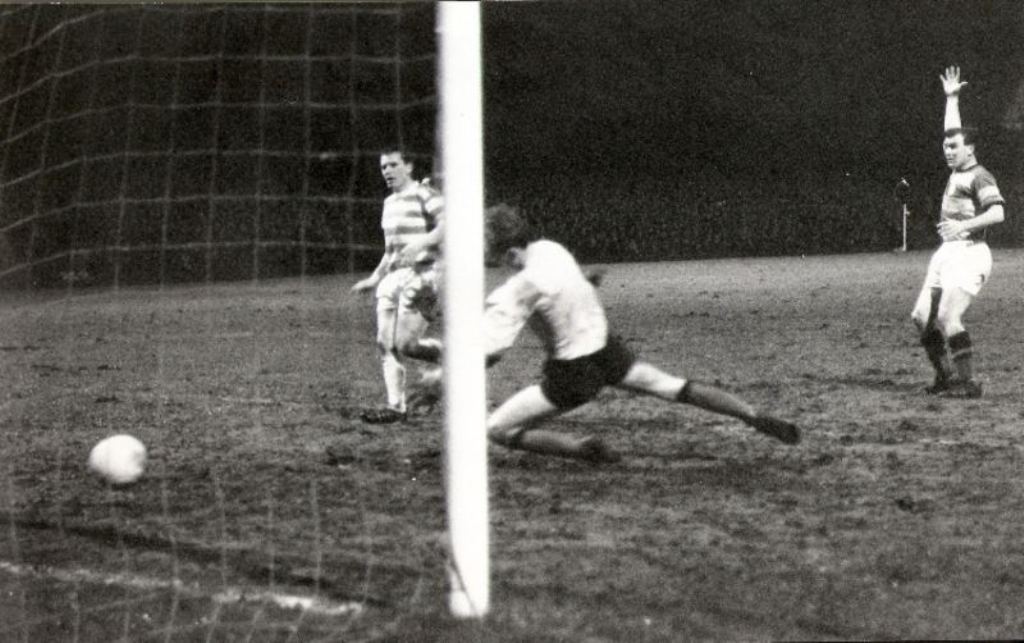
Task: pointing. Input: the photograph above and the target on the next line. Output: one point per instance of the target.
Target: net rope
(130, 156)
(174, 181)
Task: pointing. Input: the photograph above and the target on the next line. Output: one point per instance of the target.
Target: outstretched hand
(951, 83)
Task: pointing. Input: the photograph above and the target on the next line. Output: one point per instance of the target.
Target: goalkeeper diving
(551, 291)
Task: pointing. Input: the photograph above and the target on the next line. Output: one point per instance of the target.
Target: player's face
(957, 153)
(396, 171)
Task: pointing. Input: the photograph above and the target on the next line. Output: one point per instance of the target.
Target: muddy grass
(898, 517)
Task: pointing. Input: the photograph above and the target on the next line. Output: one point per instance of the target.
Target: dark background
(162, 143)
(759, 127)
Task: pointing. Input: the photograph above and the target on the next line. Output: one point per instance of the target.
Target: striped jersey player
(963, 262)
(551, 294)
(404, 281)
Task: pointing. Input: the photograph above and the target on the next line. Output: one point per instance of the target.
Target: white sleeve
(508, 309)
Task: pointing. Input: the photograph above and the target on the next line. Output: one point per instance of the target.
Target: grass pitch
(899, 516)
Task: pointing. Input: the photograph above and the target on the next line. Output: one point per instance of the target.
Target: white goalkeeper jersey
(552, 294)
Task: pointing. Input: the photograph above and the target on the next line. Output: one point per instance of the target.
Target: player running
(962, 264)
(551, 292)
(405, 279)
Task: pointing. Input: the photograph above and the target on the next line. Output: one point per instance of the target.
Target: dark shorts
(569, 383)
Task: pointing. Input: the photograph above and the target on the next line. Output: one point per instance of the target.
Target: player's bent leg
(934, 345)
(643, 377)
(512, 425)
(950, 318)
(951, 309)
(716, 400)
(925, 316)
(410, 328)
(526, 408)
(925, 307)
(545, 442)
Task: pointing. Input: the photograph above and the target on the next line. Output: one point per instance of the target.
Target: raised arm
(951, 86)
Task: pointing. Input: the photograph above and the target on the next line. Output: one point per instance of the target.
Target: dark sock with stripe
(962, 350)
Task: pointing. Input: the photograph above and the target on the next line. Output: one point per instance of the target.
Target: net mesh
(184, 192)
(161, 144)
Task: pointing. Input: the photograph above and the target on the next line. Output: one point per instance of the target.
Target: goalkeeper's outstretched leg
(645, 378)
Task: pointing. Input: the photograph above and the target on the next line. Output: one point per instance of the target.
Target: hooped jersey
(969, 193)
(553, 295)
(408, 215)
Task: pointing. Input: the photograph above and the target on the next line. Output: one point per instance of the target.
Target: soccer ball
(118, 459)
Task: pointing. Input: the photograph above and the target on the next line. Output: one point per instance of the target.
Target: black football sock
(962, 351)
(935, 347)
(713, 399)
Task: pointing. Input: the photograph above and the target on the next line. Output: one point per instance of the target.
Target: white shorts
(960, 264)
(409, 289)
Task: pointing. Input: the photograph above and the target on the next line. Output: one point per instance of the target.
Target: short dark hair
(504, 227)
(970, 134)
(396, 150)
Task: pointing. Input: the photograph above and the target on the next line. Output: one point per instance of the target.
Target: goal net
(160, 144)
(187, 195)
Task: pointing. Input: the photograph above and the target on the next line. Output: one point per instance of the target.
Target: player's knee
(947, 321)
(951, 326)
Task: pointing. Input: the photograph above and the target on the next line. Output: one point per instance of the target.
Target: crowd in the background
(649, 221)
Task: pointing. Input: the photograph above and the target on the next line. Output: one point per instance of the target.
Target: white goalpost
(174, 180)
(461, 123)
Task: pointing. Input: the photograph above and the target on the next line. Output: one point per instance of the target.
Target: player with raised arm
(551, 292)
(405, 280)
(963, 262)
